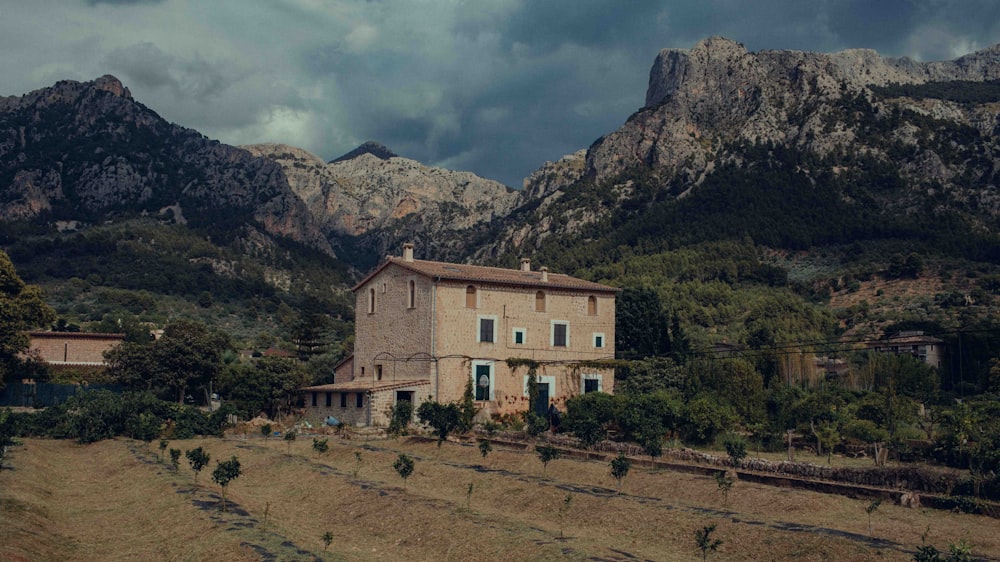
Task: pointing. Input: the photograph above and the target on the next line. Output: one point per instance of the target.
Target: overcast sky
(496, 87)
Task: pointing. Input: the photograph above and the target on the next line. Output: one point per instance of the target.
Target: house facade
(73, 349)
(425, 328)
(926, 348)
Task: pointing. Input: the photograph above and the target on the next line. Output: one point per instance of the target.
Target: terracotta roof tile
(497, 275)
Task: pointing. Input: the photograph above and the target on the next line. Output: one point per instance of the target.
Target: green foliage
(144, 427)
(289, 438)
(188, 355)
(736, 448)
(403, 467)
(198, 459)
(175, 458)
(224, 473)
(266, 431)
(21, 308)
(327, 539)
(641, 326)
(703, 539)
(959, 91)
(467, 409)
(620, 466)
(589, 415)
(725, 484)
(268, 385)
(7, 432)
(485, 447)
(95, 415)
(706, 417)
(444, 418)
(320, 446)
(400, 416)
(547, 454)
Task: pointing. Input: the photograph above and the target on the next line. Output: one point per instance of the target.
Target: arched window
(592, 305)
(470, 297)
(371, 300)
(540, 301)
(413, 294)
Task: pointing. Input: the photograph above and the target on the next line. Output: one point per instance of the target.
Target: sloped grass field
(115, 500)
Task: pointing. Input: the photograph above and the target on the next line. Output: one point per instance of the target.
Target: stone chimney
(408, 251)
(525, 264)
(545, 274)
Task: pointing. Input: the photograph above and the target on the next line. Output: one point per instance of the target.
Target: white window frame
(591, 377)
(552, 333)
(479, 323)
(543, 379)
(604, 340)
(493, 378)
(524, 336)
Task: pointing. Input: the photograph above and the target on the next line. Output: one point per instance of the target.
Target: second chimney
(545, 274)
(525, 264)
(408, 251)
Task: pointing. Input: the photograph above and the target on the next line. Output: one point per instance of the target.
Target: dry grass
(113, 501)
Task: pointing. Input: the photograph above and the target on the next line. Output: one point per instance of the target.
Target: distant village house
(61, 350)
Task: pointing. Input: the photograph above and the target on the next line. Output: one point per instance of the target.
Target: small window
(519, 336)
(314, 398)
(329, 399)
(378, 372)
(470, 297)
(540, 301)
(487, 329)
(371, 300)
(591, 305)
(361, 400)
(412, 294)
(343, 399)
(560, 333)
(591, 383)
(598, 340)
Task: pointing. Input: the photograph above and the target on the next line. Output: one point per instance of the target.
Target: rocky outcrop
(719, 92)
(387, 200)
(87, 151)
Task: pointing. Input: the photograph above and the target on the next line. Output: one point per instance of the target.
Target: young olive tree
(224, 473)
(703, 538)
(547, 454)
(403, 467)
(620, 466)
(290, 436)
(198, 459)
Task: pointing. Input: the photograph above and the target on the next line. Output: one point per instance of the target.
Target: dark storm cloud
(492, 87)
(123, 2)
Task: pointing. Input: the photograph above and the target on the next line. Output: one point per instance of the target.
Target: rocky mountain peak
(109, 83)
(380, 151)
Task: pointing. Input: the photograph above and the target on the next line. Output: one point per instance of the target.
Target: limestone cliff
(383, 199)
(708, 106)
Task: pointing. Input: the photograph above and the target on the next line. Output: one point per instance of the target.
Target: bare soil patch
(115, 501)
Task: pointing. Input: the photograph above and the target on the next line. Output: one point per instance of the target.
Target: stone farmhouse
(425, 328)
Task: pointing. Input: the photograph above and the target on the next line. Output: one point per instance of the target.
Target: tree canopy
(21, 308)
